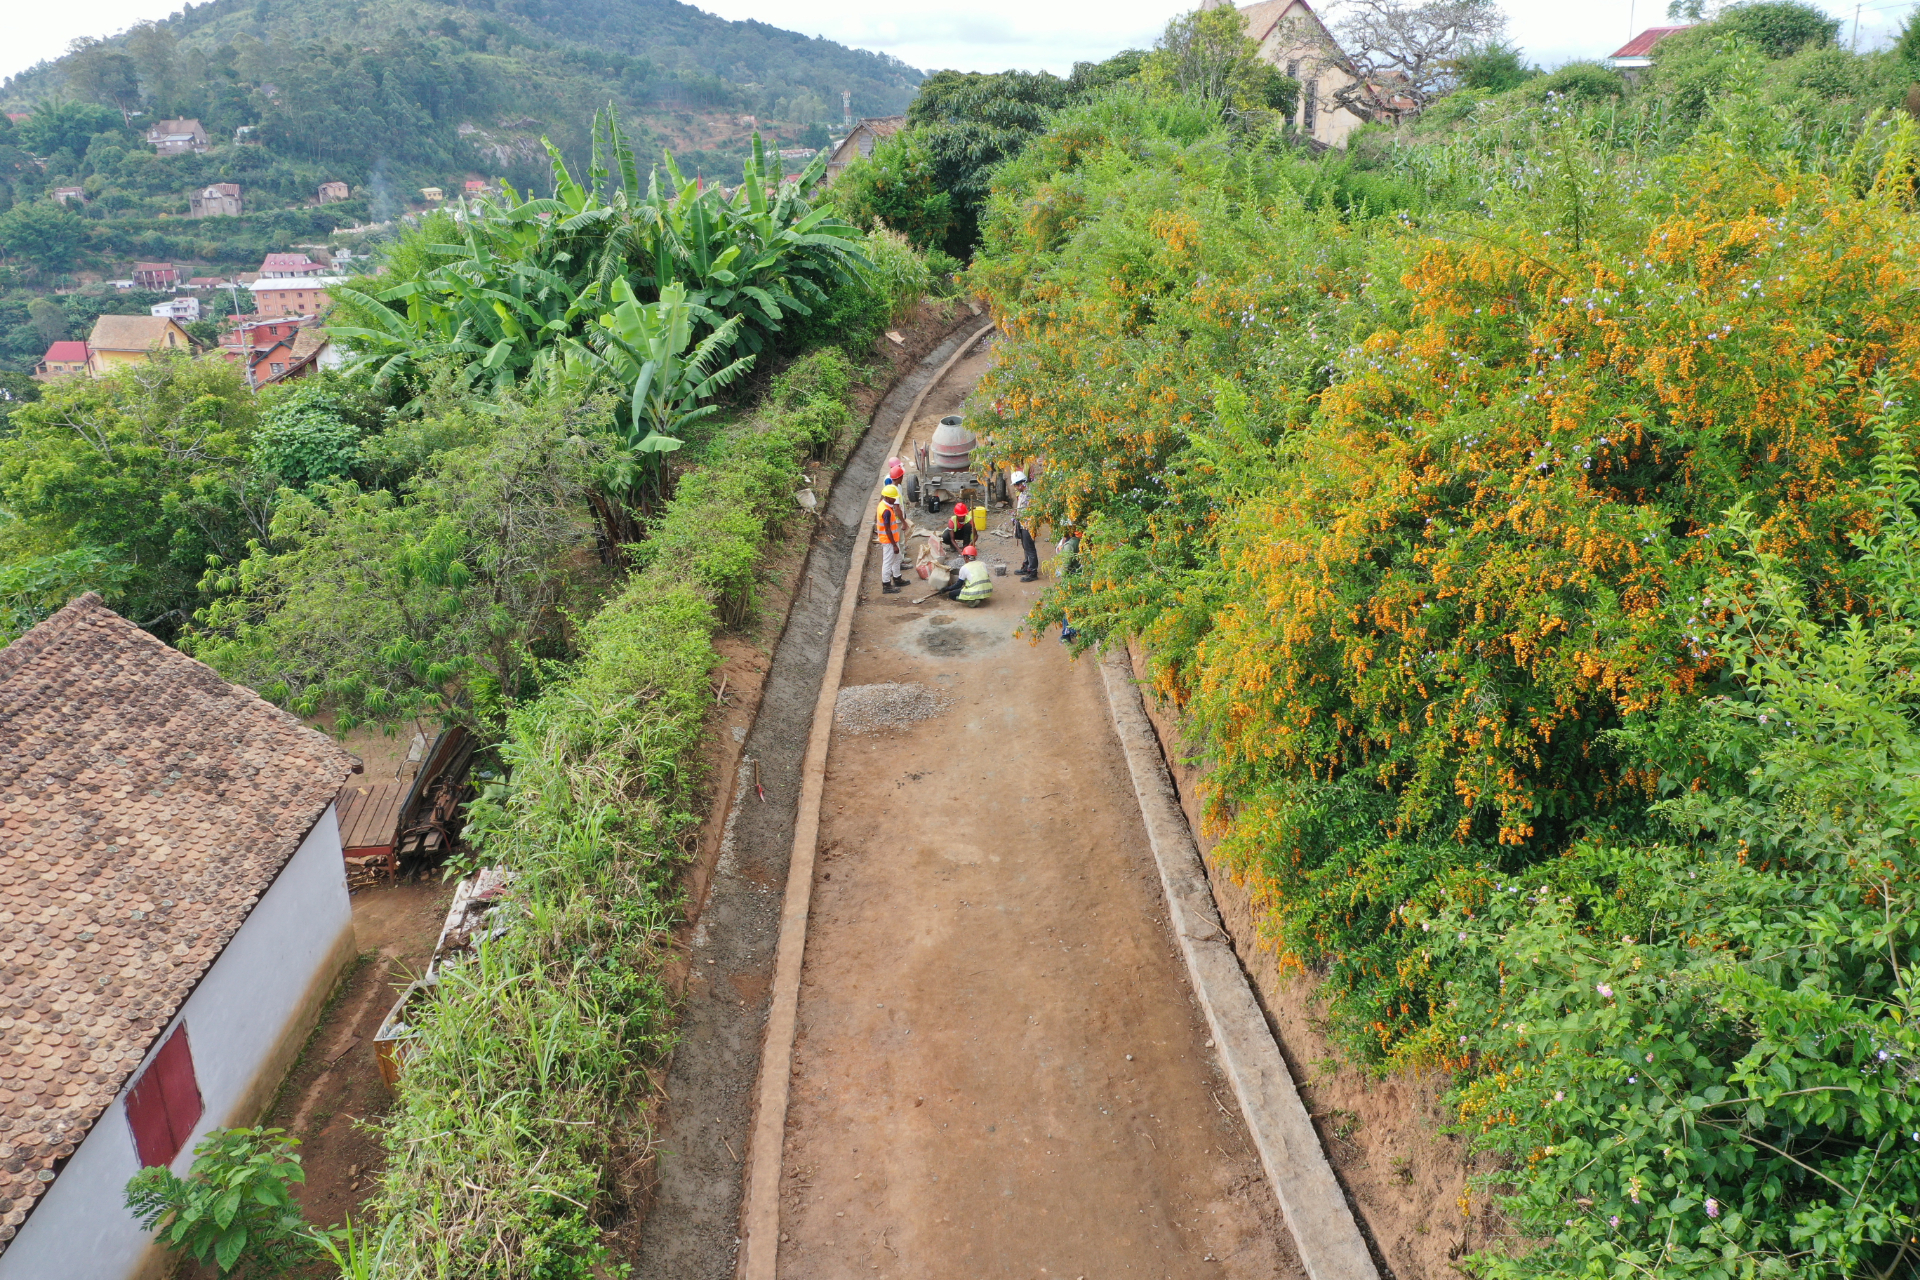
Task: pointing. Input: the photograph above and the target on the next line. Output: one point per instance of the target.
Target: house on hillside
(170, 868)
(185, 310)
(221, 200)
(309, 350)
(157, 277)
(296, 297)
(865, 136)
(70, 195)
(333, 192)
(63, 360)
(177, 137)
(289, 266)
(117, 341)
(1636, 55)
(206, 282)
(1291, 36)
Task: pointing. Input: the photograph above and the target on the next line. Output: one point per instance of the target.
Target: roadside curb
(760, 1202)
(1311, 1200)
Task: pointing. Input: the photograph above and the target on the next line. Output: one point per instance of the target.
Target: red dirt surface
(1000, 1069)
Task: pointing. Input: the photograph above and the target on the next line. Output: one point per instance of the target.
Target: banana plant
(646, 345)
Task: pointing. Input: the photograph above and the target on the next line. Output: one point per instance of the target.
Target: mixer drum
(952, 445)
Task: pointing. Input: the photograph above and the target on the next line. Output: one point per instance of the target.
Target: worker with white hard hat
(1030, 564)
(890, 527)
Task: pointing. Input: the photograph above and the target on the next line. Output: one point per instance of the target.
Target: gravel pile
(869, 708)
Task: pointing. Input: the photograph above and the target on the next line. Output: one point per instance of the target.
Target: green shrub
(234, 1209)
(526, 1083)
(304, 439)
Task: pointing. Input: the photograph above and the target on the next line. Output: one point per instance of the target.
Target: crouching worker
(973, 585)
(959, 531)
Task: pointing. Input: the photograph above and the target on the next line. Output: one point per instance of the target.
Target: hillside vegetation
(1522, 508)
(389, 97)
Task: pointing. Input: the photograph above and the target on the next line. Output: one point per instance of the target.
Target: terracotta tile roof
(145, 805)
(1641, 46)
(133, 333)
(67, 350)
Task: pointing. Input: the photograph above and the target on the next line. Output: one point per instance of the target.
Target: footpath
(999, 1068)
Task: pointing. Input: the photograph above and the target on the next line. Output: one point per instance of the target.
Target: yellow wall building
(117, 341)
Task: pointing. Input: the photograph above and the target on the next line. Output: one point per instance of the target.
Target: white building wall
(245, 1022)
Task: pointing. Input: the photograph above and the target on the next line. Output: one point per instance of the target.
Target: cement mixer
(943, 470)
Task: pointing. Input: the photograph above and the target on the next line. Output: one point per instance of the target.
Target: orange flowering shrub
(1413, 517)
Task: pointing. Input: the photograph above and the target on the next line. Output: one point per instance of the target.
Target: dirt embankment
(1406, 1180)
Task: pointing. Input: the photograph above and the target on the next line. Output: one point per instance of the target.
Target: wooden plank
(369, 813)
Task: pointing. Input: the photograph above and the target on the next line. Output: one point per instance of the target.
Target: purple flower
(1614, 1221)
(1604, 990)
(1713, 1207)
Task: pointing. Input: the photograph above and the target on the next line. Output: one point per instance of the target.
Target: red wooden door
(164, 1103)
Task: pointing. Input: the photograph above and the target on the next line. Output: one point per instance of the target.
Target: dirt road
(999, 1069)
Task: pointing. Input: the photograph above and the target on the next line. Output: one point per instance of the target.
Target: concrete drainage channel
(693, 1224)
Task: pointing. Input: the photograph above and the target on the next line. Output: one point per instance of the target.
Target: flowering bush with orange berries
(1421, 511)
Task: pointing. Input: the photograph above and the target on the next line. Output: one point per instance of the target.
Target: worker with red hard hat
(959, 533)
(973, 585)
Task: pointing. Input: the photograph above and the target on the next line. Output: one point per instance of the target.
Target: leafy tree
(16, 389)
(45, 234)
(65, 125)
(437, 602)
(969, 122)
(150, 466)
(101, 73)
(1407, 53)
(1583, 82)
(1706, 1050)
(897, 186)
(34, 589)
(304, 439)
(49, 319)
(235, 1208)
(1495, 67)
(1907, 47)
(1779, 28)
(1207, 54)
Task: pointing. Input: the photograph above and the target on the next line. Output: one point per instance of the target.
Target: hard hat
(1019, 477)
(959, 509)
(896, 472)
(970, 550)
(890, 492)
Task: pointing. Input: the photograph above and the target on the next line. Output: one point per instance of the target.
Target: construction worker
(959, 534)
(890, 526)
(973, 585)
(1030, 562)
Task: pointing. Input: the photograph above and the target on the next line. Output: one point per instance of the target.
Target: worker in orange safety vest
(890, 526)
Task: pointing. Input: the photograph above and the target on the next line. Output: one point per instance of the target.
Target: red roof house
(1638, 52)
(288, 266)
(63, 360)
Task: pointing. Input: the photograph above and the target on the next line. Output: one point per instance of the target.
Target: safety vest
(977, 582)
(886, 523)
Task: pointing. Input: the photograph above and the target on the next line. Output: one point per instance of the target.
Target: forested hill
(430, 86)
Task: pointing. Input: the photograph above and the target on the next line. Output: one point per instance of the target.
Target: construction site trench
(998, 1066)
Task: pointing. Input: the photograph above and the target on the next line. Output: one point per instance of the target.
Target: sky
(993, 35)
